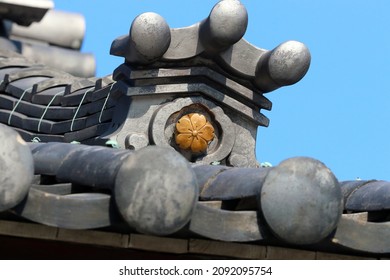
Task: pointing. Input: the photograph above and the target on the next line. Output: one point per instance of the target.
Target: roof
(30, 27)
(182, 121)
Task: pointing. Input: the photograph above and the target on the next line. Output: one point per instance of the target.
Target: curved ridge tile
(223, 186)
(242, 58)
(82, 211)
(347, 187)
(226, 225)
(363, 236)
(372, 196)
(184, 43)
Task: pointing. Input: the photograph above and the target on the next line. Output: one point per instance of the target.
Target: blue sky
(338, 113)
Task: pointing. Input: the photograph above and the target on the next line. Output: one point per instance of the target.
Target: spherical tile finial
(301, 201)
(16, 168)
(225, 25)
(156, 190)
(285, 65)
(149, 38)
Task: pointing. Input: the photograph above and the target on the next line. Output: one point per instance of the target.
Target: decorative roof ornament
(217, 39)
(206, 68)
(197, 69)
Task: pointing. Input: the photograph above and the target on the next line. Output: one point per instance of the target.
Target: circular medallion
(194, 133)
(207, 133)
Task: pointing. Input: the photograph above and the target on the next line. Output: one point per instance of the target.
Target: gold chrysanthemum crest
(194, 132)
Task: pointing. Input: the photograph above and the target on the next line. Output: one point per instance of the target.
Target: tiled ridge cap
(41, 102)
